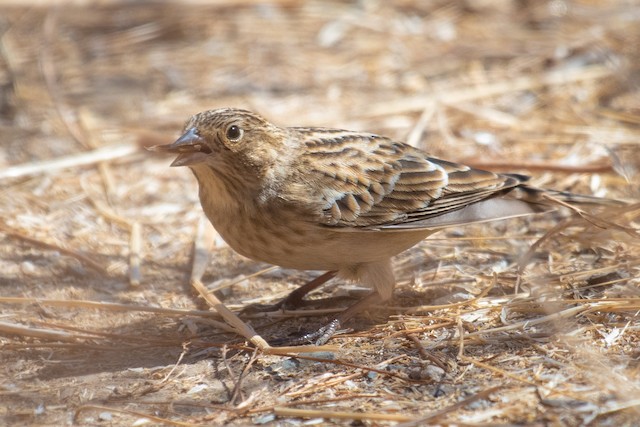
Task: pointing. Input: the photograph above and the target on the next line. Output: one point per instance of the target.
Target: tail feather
(553, 197)
(618, 209)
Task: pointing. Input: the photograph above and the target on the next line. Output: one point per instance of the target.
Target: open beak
(190, 147)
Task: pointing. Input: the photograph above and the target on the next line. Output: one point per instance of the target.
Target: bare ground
(530, 321)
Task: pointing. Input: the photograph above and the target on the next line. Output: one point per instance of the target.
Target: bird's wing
(368, 181)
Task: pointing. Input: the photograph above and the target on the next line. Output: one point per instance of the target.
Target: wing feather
(369, 181)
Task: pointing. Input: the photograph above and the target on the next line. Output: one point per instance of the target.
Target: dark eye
(234, 133)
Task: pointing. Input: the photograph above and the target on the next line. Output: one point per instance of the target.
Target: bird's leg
(378, 275)
(295, 298)
(322, 335)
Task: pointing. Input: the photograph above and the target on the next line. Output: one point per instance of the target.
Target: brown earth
(498, 323)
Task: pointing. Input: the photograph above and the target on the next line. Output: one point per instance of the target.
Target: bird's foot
(319, 337)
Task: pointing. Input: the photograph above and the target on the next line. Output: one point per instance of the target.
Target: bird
(334, 200)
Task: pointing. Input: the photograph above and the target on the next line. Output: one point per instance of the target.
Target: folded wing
(372, 182)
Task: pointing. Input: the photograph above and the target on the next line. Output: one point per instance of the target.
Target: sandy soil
(529, 321)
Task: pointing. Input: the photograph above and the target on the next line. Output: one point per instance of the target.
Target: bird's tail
(564, 198)
(601, 212)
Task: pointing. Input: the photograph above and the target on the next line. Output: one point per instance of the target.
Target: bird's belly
(290, 243)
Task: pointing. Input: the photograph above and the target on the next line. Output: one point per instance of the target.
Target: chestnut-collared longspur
(333, 200)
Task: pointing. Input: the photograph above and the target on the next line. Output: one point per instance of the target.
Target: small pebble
(105, 416)
(263, 419)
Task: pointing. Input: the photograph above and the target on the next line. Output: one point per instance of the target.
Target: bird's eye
(234, 133)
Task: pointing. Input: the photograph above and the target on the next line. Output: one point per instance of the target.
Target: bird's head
(230, 141)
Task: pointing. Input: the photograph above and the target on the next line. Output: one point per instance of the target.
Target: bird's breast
(277, 233)
(283, 239)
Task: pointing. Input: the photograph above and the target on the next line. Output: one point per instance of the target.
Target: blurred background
(490, 76)
(549, 88)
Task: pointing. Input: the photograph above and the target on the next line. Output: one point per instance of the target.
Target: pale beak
(190, 147)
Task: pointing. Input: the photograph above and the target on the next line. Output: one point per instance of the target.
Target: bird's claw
(319, 337)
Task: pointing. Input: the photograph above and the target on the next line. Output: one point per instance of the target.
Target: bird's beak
(190, 147)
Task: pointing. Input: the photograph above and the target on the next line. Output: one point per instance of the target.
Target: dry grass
(521, 322)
